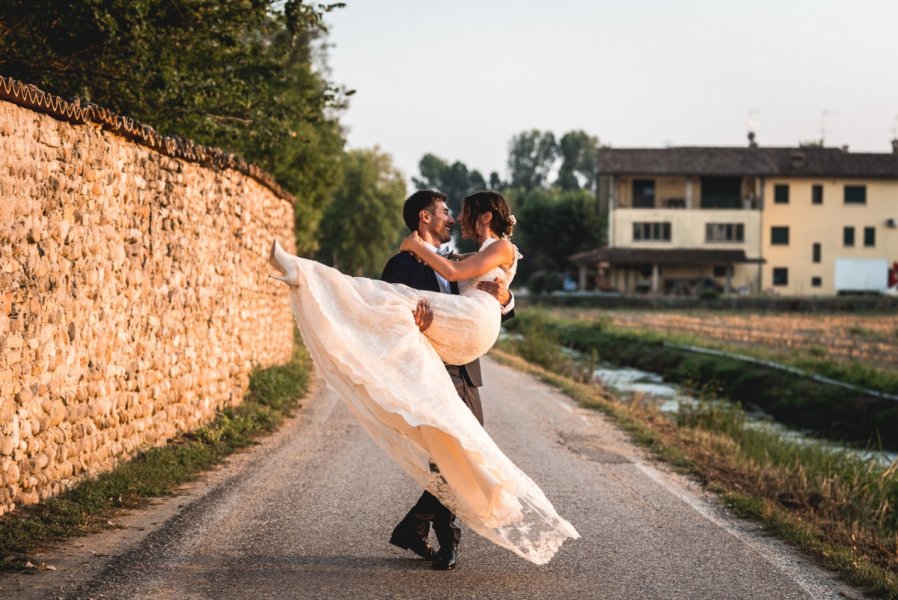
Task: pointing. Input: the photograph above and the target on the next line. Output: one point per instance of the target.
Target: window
(724, 232)
(781, 194)
(721, 192)
(780, 276)
(654, 232)
(779, 236)
(817, 194)
(869, 237)
(643, 193)
(815, 251)
(816, 281)
(720, 270)
(855, 194)
(848, 236)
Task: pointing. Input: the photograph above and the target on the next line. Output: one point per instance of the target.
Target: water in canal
(670, 397)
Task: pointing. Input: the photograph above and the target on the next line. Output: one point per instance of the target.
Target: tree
(237, 75)
(363, 224)
(578, 161)
(454, 180)
(531, 157)
(552, 225)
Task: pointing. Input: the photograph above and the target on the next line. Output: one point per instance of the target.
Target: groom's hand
(497, 289)
(423, 315)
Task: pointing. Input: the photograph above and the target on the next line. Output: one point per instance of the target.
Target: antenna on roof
(823, 129)
(752, 125)
(895, 136)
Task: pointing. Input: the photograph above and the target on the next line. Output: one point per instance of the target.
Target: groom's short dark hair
(420, 200)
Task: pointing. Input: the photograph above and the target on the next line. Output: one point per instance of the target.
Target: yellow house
(749, 220)
(832, 232)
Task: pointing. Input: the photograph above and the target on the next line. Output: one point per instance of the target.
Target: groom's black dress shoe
(420, 547)
(447, 559)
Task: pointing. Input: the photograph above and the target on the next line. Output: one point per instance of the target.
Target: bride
(362, 336)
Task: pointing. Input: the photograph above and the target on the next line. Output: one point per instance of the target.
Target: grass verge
(839, 508)
(831, 411)
(272, 395)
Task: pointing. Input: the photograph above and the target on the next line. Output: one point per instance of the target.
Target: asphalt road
(307, 514)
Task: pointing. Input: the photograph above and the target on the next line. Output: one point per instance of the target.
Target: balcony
(686, 193)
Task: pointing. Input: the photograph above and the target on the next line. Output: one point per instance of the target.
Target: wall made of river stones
(134, 299)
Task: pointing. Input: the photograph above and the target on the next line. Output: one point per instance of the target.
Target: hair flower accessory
(512, 220)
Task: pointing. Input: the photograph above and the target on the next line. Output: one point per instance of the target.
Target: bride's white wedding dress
(364, 342)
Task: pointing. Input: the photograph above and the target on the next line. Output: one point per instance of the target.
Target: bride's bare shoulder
(504, 249)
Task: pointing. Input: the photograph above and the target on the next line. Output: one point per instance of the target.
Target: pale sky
(460, 78)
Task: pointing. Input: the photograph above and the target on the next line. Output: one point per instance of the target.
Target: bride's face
(467, 232)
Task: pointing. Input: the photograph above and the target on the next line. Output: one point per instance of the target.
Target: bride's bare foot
(283, 261)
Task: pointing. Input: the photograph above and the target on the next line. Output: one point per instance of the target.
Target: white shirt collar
(444, 284)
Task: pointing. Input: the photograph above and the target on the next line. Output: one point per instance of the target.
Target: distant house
(795, 221)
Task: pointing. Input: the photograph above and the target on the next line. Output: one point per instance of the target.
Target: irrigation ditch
(833, 410)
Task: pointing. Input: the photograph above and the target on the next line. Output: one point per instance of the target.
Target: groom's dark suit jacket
(405, 268)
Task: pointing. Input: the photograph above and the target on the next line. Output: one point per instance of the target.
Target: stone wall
(134, 299)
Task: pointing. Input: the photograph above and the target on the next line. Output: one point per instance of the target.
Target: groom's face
(441, 222)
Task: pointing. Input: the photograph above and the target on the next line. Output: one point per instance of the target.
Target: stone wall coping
(73, 111)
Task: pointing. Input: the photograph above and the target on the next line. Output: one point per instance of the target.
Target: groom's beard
(444, 235)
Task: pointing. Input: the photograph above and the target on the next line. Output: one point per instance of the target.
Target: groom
(426, 212)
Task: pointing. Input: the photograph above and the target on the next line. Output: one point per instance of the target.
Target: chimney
(751, 140)
(895, 146)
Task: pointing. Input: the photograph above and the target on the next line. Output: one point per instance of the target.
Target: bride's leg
(284, 262)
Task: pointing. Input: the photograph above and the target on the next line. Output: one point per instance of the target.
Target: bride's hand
(411, 243)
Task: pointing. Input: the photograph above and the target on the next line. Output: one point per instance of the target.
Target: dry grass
(868, 339)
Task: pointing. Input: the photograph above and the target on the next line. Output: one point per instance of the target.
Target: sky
(459, 79)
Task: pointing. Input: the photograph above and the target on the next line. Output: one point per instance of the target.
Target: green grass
(272, 395)
(842, 558)
(841, 508)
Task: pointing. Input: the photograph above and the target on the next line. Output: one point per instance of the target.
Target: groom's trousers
(428, 509)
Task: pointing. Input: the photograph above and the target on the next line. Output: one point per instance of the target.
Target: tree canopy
(454, 180)
(556, 217)
(578, 152)
(236, 74)
(362, 226)
(552, 225)
(531, 157)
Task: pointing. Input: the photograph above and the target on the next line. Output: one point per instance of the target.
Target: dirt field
(871, 339)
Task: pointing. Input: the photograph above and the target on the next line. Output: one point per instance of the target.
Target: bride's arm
(496, 254)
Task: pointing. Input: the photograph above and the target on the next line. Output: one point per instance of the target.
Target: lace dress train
(364, 342)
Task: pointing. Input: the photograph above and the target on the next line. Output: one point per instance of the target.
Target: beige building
(832, 233)
(794, 221)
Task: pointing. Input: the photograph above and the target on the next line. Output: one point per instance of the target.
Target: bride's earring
(283, 261)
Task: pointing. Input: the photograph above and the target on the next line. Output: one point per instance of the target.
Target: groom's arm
(394, 272)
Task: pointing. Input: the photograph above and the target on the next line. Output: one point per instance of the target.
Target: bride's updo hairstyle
(486, 201)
